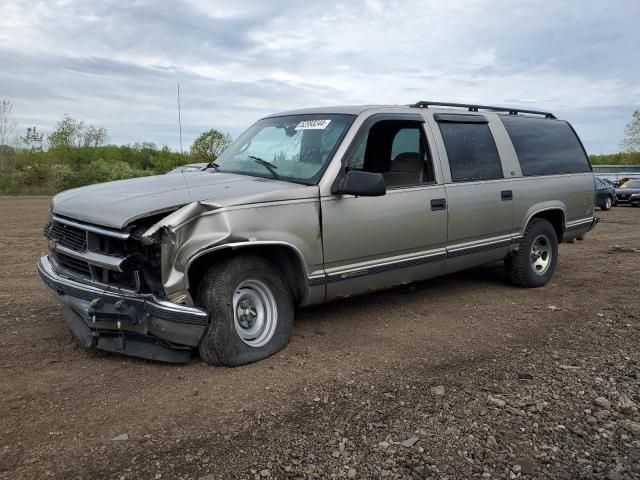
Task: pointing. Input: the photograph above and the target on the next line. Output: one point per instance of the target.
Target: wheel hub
(255, 312)
(540, 255)
(247, 314)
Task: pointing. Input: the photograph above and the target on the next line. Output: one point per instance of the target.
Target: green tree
(75, 143)
(72, 133)
(209, 145)
(33, 140)
(632, 133)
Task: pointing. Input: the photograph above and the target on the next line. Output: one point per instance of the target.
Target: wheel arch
(285, 257)
(555, 215)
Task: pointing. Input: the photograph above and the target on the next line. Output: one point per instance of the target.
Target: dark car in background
(629, 193)
(605, 194)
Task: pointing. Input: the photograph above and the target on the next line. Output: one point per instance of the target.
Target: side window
(397, 149)
(545, 146)
(471, 151)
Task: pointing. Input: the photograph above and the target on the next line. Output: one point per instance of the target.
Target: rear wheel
(251, 310)
(534, 263)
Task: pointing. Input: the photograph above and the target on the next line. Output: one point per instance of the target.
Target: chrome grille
(89, 251)
(73, 264)
(67, 236)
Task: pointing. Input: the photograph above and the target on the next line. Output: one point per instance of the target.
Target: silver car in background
(309, 206)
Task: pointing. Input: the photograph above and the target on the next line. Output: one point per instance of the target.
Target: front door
(376, 242)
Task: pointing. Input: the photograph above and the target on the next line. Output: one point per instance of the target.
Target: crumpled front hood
(116, 204)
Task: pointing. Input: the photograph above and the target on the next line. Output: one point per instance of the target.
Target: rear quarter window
(545, 146)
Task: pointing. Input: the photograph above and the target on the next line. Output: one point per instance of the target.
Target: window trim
(493, 140)
(363, 130)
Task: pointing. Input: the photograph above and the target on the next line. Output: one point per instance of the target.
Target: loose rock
(410, 442)
(602, 402)
(491, 442)
(498, 402)
(439, 390)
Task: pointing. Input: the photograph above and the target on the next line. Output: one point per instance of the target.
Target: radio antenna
(180, 120)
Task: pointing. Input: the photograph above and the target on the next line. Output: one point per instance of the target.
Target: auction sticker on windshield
(313, 124)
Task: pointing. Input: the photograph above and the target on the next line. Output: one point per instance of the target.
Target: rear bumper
(579, 227)
(140, 325)
(593, 224)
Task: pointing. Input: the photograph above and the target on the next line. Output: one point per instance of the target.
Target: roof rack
(475, 108)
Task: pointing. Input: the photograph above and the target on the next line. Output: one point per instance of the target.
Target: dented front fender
(200, 227)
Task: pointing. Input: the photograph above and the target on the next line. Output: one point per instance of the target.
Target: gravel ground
(459, 377)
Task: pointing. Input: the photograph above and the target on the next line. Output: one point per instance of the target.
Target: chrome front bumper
(125, 322)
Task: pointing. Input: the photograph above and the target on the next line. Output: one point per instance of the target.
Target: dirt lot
(458, 377)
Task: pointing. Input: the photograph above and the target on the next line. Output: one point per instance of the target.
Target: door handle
(506, 195)
(438, 204)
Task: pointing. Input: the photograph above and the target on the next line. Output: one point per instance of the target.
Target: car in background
(624, 179)
(191, 167)
(605, 194)
(628, 193)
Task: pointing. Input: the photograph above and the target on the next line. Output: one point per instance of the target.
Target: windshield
(631, 184)
(295, 148)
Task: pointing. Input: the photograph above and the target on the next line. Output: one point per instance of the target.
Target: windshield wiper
(268, 165)
(213, 165)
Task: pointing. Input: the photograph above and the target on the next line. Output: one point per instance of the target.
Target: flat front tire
(251, 311)
(534, 263)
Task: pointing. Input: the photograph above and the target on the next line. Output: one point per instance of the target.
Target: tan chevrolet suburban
(309, 206)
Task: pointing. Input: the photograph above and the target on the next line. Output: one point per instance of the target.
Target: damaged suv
(306, 207)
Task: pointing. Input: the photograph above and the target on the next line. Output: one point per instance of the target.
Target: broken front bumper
(125, 322)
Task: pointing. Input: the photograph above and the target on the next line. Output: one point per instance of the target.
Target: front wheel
(534, 263)
(608, 203)
(251, 311)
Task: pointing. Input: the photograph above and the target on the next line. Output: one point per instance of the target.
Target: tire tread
(517, 265)
(215, 295)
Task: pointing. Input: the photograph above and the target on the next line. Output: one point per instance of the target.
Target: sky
(117, 64)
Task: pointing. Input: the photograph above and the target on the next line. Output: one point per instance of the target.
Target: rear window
(545, 146)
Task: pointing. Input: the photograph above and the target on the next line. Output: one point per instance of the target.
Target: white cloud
(117, 64)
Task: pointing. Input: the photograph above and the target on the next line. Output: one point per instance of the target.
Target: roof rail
(475, 108)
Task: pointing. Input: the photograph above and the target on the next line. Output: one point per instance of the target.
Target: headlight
(635, 195)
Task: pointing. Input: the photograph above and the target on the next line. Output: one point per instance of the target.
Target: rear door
(480, 190)
(375, 242)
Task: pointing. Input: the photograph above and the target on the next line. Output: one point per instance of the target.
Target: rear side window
(471, 151)
(545, 146)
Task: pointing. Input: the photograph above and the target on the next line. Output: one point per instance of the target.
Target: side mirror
(362, 184)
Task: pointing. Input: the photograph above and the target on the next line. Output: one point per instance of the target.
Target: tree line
(75, 154)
